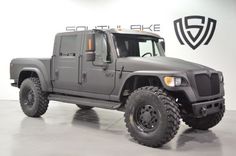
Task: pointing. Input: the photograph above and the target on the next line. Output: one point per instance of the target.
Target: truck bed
(42, 66)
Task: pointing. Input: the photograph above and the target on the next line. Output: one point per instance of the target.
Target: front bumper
(202, 109)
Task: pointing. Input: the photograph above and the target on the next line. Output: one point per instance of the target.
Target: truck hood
(160, 63)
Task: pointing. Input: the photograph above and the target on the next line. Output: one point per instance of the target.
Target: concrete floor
(66, 130)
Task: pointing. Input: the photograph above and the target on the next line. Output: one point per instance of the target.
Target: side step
(85, 101)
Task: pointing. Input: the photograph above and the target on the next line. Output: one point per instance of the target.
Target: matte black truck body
(116, 71)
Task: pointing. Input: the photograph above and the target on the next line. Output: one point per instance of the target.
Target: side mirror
(163, 45)
(90, 50)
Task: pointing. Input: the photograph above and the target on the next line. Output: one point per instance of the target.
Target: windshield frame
(155, 40)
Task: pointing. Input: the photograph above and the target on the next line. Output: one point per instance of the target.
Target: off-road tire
(84, 107)
(204, 123)
(168, 115)
(35, 104)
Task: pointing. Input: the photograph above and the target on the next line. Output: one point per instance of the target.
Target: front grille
(207, 85)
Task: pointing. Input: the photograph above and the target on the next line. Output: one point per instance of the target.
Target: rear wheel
(33, 100)
(204, 123)
(152, 116)
(84, 107)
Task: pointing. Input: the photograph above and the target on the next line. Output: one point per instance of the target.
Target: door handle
(84, 77)
(56, 74)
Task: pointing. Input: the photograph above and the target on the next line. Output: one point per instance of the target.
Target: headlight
(174, 81)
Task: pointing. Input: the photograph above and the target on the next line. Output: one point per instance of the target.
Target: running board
(85, 101)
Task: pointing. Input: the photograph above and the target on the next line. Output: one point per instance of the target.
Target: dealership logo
(138, 27)
(194, 30)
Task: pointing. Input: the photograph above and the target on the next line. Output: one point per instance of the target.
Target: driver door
(99, 76)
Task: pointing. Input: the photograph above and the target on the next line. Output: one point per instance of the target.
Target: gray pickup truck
(123, 70)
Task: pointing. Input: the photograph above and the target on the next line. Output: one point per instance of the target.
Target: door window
(102, 50)
(68, 45)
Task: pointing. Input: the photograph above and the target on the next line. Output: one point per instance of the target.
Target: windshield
(137, 46)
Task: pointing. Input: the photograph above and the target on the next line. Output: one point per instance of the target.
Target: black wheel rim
(146, 118)
(28, 97)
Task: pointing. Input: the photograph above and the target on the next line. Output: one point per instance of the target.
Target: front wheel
(33, 100)
(152, 116)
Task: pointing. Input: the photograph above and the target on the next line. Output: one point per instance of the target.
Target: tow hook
(203, 111)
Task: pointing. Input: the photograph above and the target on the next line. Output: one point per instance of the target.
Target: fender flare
(159, 74)
(138, 73)
(43, 82)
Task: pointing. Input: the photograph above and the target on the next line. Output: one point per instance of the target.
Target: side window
(68, 45)
(102, 51)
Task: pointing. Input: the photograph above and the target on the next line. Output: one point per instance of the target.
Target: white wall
(28, 27)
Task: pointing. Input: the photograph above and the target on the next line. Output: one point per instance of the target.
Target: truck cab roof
(115, 31)
(132, 32)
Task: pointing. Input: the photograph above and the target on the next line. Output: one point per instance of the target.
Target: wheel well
(24, 75)
(135, 82)
(183, 101)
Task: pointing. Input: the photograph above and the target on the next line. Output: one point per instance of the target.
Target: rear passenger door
(66, 61)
